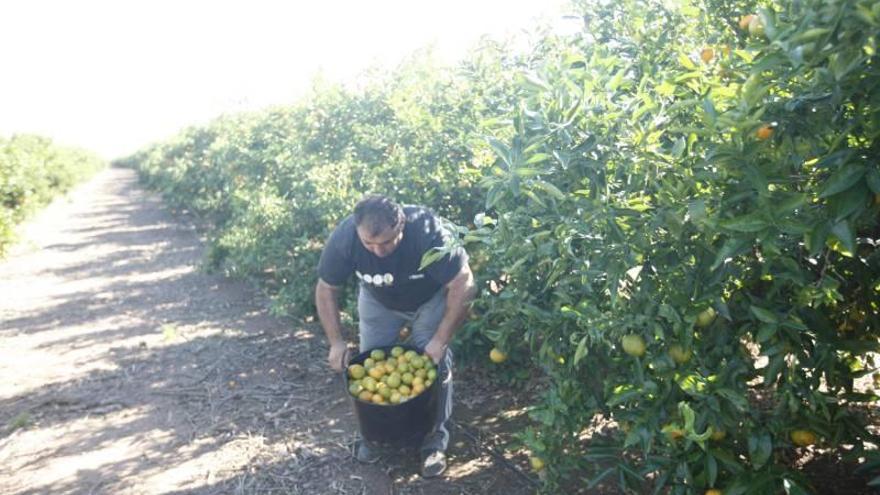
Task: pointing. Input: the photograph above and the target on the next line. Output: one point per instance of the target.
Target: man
(382, 244)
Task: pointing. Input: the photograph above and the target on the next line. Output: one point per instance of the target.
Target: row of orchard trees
(676, 224)
(274, 183)
(33, 170)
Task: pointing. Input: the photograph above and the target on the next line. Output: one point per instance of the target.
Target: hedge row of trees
(33, 170)
(673, 215)
(274, 183)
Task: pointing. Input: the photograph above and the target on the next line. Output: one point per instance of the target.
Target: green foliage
(635, 193)
(665, 174)
(33, 170)
(273, 184)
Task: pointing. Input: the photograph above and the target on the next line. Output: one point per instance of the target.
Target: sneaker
(364, 453)
(433, 463)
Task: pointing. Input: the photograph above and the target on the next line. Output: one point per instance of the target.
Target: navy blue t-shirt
(395, 280)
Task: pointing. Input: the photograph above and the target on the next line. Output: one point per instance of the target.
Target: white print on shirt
(417, 276)
(378, 279)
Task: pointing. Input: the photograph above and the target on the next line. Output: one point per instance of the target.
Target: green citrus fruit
(634, 345)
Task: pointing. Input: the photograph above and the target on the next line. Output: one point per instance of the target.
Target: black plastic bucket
(406, 423)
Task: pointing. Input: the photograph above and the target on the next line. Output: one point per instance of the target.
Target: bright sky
(112, 76)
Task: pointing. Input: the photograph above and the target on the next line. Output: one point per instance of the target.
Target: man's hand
(337, 356)
(435, 349)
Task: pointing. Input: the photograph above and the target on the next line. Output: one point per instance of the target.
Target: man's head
(380, 223)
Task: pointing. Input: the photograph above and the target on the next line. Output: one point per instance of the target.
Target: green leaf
(534, 197)
(538, 158)
(873, 180)
(790, 203)
(760, 448)
(711, 470)
(728, 459)
(765, 332)
(852, 202)
(502, 150)
(687, 414)
(534, 82)
(746, 223)
(843, 232)
(431, 256)
(686, 62)
(810, 34)
(731, 247)
(550, 189)
(843, 179)
(764, 315)
(581, 350)
(679, 147)
(527, 172)
(736, 399)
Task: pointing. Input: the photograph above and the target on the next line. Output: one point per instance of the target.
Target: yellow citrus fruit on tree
(756, 27)
(803, 438)
(634, 345)
(764, 132)
(718, 435)
(537, 463)
(706, 317)
(679, 354)
(745, 20)
(707, 54)
(497, 355)
(713, 491)
(674, 433)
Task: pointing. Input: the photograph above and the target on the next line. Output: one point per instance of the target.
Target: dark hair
(378, 213)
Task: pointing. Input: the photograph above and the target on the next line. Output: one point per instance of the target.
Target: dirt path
(126, 370)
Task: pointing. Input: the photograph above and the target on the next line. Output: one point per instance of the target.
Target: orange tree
(683, 228)
(33, 170)
(272, 184)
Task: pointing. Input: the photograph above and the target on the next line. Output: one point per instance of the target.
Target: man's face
(383, 243)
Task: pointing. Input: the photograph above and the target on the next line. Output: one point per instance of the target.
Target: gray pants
(380, 326)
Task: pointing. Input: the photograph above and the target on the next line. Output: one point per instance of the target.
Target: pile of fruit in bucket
(392, 379)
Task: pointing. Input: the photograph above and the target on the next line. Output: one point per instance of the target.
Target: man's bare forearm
(328, 311)
(458, 300)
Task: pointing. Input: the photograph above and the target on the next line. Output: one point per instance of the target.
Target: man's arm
(327, 301)
(460, 292)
